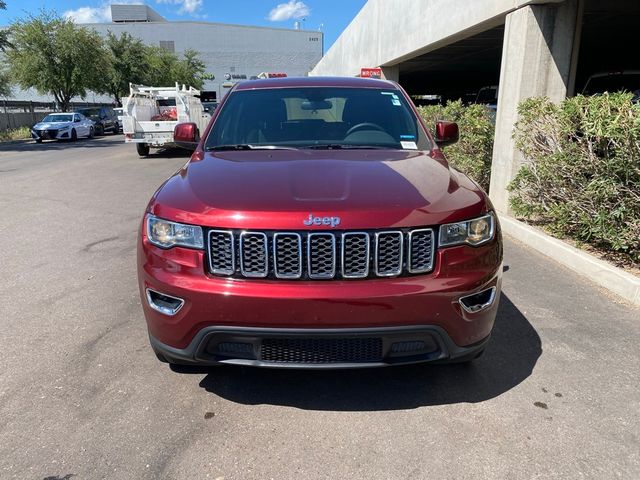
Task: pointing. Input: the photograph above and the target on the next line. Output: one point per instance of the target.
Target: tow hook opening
(163, 303)
(477, 302)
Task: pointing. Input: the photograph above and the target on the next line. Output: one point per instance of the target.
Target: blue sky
(332, 16)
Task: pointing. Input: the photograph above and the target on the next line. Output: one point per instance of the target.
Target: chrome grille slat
(421, 250)
(388, 256)
(254, 256)
(317, 255)
(222, 252)
(321, 255)
(355, 255)
(287, 255)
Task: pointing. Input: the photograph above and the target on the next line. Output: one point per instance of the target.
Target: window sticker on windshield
(396, 102)
(409, 145)
(407, 137)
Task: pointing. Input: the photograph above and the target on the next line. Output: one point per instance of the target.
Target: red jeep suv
(318, 225)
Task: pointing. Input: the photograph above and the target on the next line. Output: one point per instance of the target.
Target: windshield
(58, 118)
(209, 107)
(613, 83)
(90, 112)
(487, 95)
(317, 117)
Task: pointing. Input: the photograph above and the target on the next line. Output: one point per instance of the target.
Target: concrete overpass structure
(528, 47)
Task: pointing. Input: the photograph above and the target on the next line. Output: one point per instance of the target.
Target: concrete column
(391, 73)
(537, 60)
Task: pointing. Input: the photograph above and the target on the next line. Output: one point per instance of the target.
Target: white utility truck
(151, 113)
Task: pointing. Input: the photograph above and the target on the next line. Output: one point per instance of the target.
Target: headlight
(472, 232)
(166, 234)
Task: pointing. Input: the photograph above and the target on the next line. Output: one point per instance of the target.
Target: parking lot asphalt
(556, 395)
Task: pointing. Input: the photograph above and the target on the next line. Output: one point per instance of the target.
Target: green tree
(4, 40)
(160, 67)
(165, 68)
(128, 63)
(57, 57)
(190, 70)
(5, 88)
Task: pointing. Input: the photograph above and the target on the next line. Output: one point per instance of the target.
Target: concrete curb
(612, 278)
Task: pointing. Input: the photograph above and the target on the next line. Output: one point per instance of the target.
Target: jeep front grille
(321, 255)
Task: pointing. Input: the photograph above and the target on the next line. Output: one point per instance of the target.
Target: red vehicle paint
(321, 252)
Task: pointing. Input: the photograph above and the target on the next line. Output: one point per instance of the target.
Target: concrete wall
(386, 32)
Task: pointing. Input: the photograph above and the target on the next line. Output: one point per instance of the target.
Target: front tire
(91, 132)
(38, 140)
(143, 149)
(74, 135)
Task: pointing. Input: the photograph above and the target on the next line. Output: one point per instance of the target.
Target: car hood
(280, 189)
(47, 125)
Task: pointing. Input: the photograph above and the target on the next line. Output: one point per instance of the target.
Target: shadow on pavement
(510, 358)
(167, 153)
(57, 145)
(98, 142)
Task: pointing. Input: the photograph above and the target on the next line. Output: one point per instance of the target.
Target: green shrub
(15, 134)
(582, 176)
(472, 153)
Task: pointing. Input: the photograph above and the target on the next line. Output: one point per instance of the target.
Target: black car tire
(74, 135)
(91, 132)
(38, 140)
(143, 149)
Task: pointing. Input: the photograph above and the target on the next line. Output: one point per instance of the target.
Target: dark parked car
(623, 81)
(318, 224)
(104, 118)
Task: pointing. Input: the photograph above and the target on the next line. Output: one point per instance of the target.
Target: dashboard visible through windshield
(316, 117)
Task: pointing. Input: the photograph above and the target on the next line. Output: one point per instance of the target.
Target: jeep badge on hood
(328, 221)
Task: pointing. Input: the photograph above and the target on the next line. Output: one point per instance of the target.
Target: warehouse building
(231, 53)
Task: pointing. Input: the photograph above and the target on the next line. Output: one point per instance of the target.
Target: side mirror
(446, 133)
(186, 135)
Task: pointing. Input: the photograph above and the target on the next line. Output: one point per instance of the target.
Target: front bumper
(423, 308)
(51, 134)
(318, 348)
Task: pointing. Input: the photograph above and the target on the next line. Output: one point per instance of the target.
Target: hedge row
(472, 154)
(582, 176)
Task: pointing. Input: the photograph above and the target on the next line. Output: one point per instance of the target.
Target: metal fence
(16, 114)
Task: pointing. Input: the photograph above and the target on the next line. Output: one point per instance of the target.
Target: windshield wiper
(340, 146)
(246, 146)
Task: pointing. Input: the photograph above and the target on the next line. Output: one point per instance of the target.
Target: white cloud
(289, 10)
(186, 6)
(100, 14)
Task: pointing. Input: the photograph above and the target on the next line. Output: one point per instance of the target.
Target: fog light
(477, 302)
(163, 303)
